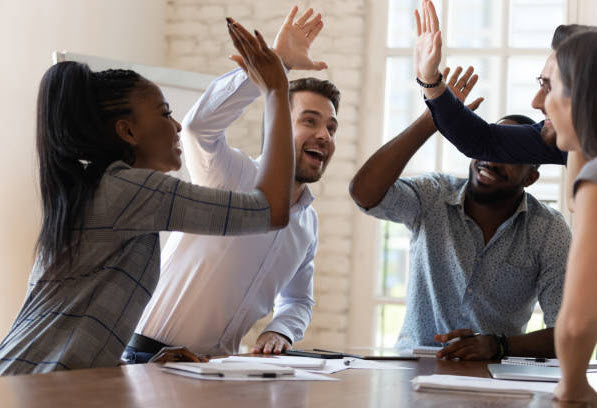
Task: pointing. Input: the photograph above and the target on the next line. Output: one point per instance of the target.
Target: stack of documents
(241, 371)
(305, 363)
(426, 351)
(480, 386)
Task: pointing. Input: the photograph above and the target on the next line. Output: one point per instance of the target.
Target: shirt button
(469, 290)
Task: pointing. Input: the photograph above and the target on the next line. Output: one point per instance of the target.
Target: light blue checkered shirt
(456, 281)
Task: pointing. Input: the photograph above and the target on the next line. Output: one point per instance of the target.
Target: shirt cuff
(280, 329)
(386, 202)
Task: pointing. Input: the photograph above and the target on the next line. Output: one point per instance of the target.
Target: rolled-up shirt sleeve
(406, 199)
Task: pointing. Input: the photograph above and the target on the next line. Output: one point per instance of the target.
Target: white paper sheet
(375, 365)
(426, 351)
(305, 363)
(482, 386)
(485, 386)
(299, 375)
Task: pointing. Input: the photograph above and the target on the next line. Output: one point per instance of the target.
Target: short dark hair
(577, 61)
(520, 119)
(565, 31)
(319, 86)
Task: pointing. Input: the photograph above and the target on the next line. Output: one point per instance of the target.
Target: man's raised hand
(294, 39)
(428, 44)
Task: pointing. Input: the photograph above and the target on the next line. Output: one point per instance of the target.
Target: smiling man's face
(314, 126)
(491, 182)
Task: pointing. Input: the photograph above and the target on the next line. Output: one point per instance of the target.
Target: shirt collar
(456, 198)
(306, 198)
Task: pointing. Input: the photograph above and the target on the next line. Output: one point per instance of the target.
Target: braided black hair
(76, 141)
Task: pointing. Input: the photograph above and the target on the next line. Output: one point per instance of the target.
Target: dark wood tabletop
(148, 386)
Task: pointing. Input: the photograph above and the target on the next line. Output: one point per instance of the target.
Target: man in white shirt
(213, 289)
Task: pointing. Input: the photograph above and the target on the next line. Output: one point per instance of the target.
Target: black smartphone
(313, 353)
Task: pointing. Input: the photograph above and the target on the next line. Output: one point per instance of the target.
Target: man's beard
(491, 197)
(548, 134)
(301, 176)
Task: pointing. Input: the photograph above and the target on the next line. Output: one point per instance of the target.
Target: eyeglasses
(544, 83)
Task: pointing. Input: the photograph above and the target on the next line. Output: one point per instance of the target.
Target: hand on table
(294, 39)
(579, 392)
(478, 347)
(177, 354)
(270, 342)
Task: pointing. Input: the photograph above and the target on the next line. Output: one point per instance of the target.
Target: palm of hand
(426, 61)
(292, 45)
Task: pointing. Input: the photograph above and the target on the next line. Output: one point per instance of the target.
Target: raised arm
(472, 135)
(374, 178)
(265, 69)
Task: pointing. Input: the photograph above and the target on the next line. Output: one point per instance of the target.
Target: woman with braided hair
(104, 141)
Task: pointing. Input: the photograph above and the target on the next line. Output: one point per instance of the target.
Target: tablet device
(236, 370)
(524, 373)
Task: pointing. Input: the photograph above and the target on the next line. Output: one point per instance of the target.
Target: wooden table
(148, 386)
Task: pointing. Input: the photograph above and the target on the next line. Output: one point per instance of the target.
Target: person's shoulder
(542, 211)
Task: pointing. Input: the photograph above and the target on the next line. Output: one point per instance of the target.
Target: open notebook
(539, 362)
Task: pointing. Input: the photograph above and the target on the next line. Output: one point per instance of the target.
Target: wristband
(424, 85)
(502, 346)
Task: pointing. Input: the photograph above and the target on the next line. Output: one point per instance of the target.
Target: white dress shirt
(213, 289)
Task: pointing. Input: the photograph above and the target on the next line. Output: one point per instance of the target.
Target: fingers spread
(475, 104)
(433, 17)
(462, 81)
(250, 42)
(303, 19)
(312, 23)
(316, 29)
(418, 23)
(291, 15)
(470, 84)
(454, 76)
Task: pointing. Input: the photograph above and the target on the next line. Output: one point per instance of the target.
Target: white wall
(30, 30)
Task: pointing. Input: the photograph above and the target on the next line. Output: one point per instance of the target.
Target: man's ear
(124, 131)
(532, 177)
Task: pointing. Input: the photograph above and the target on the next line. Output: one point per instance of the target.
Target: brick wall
(197, 40)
